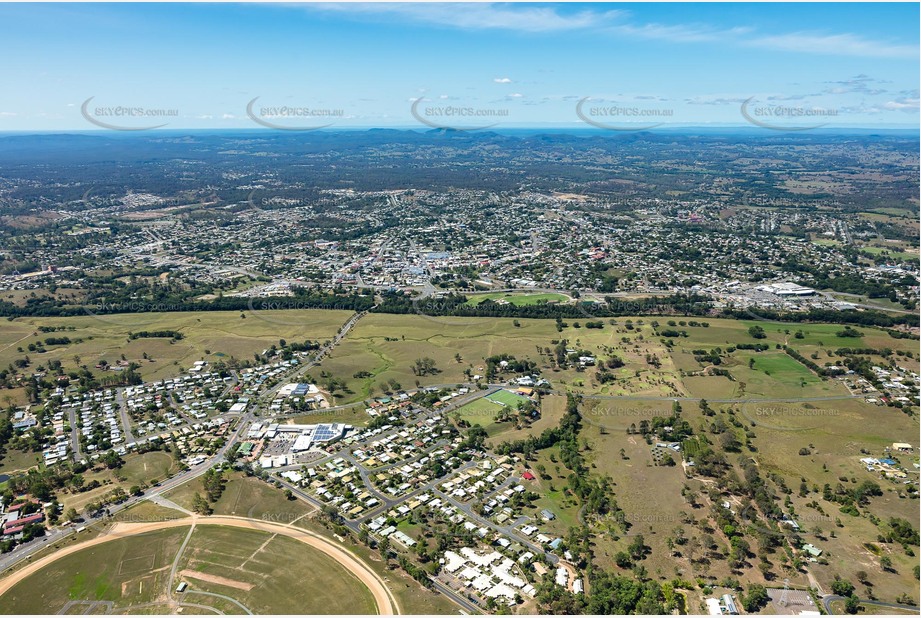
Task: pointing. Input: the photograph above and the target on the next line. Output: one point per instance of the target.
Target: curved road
(383, 598)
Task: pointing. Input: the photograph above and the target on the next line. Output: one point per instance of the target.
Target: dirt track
(385, 602)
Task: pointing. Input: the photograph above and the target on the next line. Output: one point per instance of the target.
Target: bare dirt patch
(216, 579)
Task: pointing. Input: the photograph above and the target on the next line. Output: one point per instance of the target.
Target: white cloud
(715, 100)
(902, 105)
(477, 16)
(538, 19)
(834, 44)
(680, 33)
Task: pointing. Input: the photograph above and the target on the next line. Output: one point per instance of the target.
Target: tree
(424, 366)
(112, 460)
(842, 587)
(289, 494)
(200, 505)
(757, 332)
(71, 514)
(756, 598)
(852, 605)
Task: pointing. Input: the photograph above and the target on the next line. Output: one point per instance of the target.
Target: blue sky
(363, 64)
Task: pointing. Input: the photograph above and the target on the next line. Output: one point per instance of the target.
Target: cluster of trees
(868, 317)
(757, 332)
(213, 481)
(113, 296)
(852, 497)
(610, 594)
(512, 365)
(424, 366)
(568, 427)
(456, 305)
(148, 334)
(820, 371)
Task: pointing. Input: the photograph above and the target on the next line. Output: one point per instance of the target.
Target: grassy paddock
(207, 335)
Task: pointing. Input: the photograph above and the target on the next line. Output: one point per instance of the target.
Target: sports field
(516, 299)
(507, 398)
(480, 412)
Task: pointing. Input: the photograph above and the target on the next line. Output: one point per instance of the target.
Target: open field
(155, 465)
(835, 433)
(14, 461)
(355, 416)
(147, 511)
(650, 498)
(892, 252)
(208, 335)
(246, 496)
(372, 348)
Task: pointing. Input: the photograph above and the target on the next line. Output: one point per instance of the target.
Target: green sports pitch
(507, 398)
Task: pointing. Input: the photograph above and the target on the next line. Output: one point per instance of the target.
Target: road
(324, 349)
(123, 412)
(461, 600)
(831, 598)
(74, 434)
